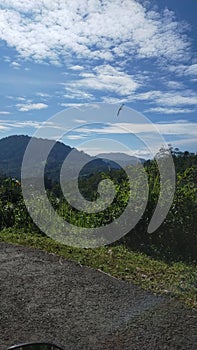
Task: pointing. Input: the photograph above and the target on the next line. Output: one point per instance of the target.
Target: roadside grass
(177, 280)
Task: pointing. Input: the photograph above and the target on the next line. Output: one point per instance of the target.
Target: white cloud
(167, 99)
(75, 93)
(42, 94)
(178, 129)
(9, 124)
(32, 106)
(184, 70)
(80, 121)
(77, 67)
(7, 59)
(15, 65)
(107, 78)
(164, 110)
(75, 105)
(185, 144)
(114, 100)
(74, 137)
(93, 29)
(175, 85)
(114, 35)
(174, 121)
(191, 70)
(17, 98)
(3, 128)
(4, 112)
(141, 128)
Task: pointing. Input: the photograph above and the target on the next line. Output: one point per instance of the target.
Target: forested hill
(12, 150)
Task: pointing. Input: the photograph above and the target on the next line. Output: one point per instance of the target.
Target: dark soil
(46, 298)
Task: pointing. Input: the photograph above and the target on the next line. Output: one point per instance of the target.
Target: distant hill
(120, 158)
(12, 150)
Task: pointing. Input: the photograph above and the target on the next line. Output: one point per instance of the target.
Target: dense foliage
(175, 239)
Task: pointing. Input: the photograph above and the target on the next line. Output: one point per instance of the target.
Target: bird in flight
(121, 107)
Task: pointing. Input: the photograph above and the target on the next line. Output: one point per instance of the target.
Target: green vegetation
(163, 261)
(175, 280)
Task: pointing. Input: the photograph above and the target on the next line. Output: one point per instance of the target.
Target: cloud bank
(92, 29)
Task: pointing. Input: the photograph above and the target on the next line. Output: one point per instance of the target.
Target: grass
(177, 280)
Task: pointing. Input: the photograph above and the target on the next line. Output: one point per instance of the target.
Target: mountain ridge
(12, 150)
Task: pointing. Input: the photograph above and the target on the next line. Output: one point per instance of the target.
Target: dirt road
(45, 297)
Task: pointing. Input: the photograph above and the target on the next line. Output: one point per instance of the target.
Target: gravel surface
(46, 298)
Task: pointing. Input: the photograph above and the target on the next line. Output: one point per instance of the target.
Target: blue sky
(60, 54)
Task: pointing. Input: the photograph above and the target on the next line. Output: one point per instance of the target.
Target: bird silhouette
(121, 107)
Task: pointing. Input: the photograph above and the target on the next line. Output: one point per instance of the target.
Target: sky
(59, 54)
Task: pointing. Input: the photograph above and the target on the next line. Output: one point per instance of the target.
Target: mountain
(120, 158)
(12, 149)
